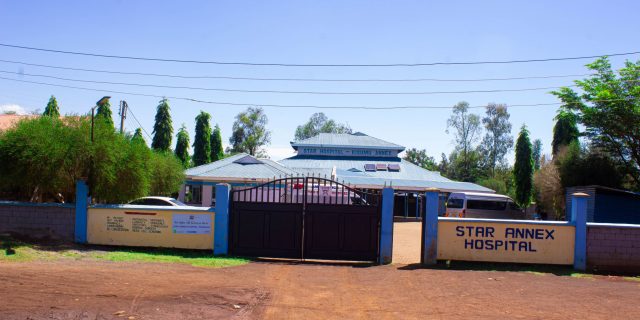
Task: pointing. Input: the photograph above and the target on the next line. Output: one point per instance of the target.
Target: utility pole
(123, 114)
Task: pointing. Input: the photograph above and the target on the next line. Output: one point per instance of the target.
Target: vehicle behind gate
(305, 218)
(482, 205)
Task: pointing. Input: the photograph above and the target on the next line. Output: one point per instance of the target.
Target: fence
(38, 220)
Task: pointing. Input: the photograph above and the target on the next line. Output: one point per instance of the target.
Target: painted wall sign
(505, 242)
(191, 223)
(189, 229)
(347, 152)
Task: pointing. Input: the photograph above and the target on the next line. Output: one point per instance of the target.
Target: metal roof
(229, 168)
(345, 140)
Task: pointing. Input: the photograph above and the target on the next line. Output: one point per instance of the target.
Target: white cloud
(12, 108)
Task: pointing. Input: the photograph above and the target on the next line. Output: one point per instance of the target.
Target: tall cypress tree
(202, 140)
(182, 146)
(104, 114)
(137, 136)
(52, 109)
(523, 168)
(565, 131)
(216, 144)
(163, 128)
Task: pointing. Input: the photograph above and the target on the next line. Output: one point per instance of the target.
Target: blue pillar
(221, 227)
(579, 219)
(82, 192)
(386, 227)
(430, 228)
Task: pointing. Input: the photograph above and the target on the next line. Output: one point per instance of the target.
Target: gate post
(386, 227)
(80, 229)
(579, 220)
(221, 227)
(430, 228)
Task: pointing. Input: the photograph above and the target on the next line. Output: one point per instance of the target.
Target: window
(369, 167)
(381, 167)
(486, 204)
(394, 167)
(193, 194)
(455, 203)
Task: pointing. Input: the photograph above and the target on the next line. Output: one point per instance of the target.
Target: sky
(312, 32)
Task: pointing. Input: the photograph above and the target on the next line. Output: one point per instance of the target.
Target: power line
(261, 104)
(313, 65)
(130, 111)
(295, 79)
(283, 91)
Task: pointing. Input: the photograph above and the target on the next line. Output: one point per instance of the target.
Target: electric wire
(295, 79)
(273, 64)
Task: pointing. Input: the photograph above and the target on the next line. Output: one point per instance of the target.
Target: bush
(166, 174)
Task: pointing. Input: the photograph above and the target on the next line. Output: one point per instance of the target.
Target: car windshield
(178, 202)
(455, 203)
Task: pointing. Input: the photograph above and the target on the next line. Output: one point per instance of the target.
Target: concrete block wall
(55, 221)
(613, 247)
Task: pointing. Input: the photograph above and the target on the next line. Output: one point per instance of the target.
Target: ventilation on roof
(248, 160)
(381, 167)
(354, 170)
(393, 167)
(369, 167)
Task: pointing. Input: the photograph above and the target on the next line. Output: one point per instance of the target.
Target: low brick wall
(38, 220)
(613, 247)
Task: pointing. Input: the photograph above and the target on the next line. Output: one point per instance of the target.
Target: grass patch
(12, 250)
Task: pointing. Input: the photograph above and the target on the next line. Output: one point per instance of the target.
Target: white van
(482, 205)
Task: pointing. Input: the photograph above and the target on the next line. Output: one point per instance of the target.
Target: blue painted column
(430, 228)
(386, 227)
(221, 227)
(579, 219)
(82, 194)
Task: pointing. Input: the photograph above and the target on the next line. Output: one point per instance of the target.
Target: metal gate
(305, 218)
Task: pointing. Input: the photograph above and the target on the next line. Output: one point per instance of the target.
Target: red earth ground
(279, 290)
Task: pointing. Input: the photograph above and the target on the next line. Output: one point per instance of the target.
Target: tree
(565, 131)
(462, 168)
(52, 109)
(497, 140)
(579, 166)
(420, 158)
(250, 132)
(467, 128)
(163, 128)
(523, 169)
(104, 115)
(137, 136)
(319, 123)
(537, 154)
(217, 152)
(549, 190)
(202, 141)
(609, 108)
(166, 174)
(182, 147)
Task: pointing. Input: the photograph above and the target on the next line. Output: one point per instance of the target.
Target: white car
(482, 205)
(158, 201)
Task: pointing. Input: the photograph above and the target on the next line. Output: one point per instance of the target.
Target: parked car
(482, 205)
(158, 201)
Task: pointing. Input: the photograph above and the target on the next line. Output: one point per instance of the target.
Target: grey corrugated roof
(352, 171)
(346, 140)
(228, 168)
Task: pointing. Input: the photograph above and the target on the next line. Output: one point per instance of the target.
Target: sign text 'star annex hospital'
(502, 241)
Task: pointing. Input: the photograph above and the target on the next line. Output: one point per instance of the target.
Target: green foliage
(501, 181)
(217, 153)
(537, 153)
(43, 157)
(581, 167)
(498, 140)
(137, 136)
(182, 147)
(250, 132)
(420, 158)
(166, 174)
(104, 114)
(319, 123)
(202, 141)
(52, 109)
(523, 169)
(467, 128)
(464, 166)
(609, 108)
(163, 128)
(565, 131)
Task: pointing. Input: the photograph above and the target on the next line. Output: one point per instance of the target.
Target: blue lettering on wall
(482, 238)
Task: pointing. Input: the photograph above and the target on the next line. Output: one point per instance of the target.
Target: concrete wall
(613, 247)
(56, 221)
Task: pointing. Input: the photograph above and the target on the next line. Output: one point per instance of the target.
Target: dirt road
(110, 290)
